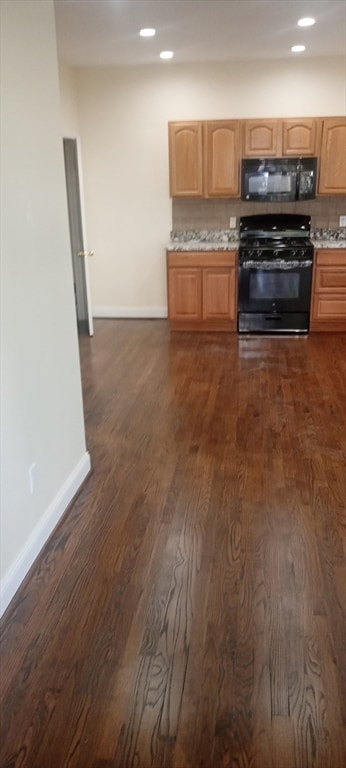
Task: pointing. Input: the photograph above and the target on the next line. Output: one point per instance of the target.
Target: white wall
(123, 116)
(41, 399)
(68, 101)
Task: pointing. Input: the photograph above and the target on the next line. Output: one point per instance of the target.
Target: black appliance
(278, 179)
(274, 274)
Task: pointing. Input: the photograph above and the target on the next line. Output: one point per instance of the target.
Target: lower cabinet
(201, 287)
(328, 301)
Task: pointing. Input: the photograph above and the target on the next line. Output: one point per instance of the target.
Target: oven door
(274, 295)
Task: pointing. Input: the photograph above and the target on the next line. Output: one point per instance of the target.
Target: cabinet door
(219, 294)
(299, 137)
(262, 138)
(186, 159)
(222, 158)
(332, 180)
(185, 293)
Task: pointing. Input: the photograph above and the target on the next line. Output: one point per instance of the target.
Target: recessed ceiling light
(306, 22)
(166, 55)
(297, 48)
(147, 32)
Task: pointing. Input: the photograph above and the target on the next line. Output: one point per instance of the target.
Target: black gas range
(275, 274)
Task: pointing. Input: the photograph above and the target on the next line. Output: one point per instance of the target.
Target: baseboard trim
(22, 564)
(131, 312)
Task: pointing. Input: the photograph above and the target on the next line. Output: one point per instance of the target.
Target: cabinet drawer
(330, 280)
(331, 307)
(201, 258)
(333, 257)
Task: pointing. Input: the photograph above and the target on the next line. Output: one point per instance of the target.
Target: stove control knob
(276, 254)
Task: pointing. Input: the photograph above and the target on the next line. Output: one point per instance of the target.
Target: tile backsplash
(215, 214)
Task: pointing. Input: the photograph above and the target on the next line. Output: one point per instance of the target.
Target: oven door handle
(278, 266)
(273, 317)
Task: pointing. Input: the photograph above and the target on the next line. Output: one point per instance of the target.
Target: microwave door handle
(299, 170)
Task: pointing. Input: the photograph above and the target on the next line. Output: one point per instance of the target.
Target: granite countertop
(336, 243)
(202, 245)
(228, 240)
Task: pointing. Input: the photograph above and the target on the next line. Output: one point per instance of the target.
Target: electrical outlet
(342, 221)
(32, 477)
(232, 222)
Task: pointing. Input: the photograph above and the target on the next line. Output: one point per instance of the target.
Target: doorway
(77, 237)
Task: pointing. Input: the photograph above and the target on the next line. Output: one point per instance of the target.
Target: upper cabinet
(262, 138)
(293, 137)
(186, 159)
(332, 179)
(300, 136)
(222, 158)
(204, 158)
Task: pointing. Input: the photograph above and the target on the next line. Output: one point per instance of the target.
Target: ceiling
(105, 32)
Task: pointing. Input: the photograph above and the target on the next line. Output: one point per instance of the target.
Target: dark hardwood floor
(189, 610)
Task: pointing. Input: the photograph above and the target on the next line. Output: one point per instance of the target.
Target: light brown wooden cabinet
(204, 159)
(186, 159)
(222, 158)
(261, 138)
(201, 289)
(332, 178)
(218, 293)
(295, 137)
(185, 294)
(328, 301)
(300, 137)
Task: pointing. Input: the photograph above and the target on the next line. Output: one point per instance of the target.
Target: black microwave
(278, 179)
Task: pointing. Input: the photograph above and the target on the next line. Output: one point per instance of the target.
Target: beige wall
(123, 116)
(68, 101)
(41, 400)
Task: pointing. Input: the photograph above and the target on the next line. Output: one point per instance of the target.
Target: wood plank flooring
(189, 610)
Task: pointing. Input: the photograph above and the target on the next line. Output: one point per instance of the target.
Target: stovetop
(288, 251)
(284, 233)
